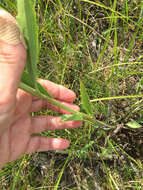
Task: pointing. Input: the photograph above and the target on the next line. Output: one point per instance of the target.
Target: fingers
(38, 104)
(41, 123)
(38, 144)
(12, 59)
(58, 91)
(57, 109)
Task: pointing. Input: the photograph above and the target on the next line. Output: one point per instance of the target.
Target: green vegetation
(101, 44)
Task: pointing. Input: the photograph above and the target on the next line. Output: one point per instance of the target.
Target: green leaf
(140, 85)
(85, 99)
(133, 125)
(27, 23)
(73, 117)
(2, 6)
(26, 79)
(43, 90)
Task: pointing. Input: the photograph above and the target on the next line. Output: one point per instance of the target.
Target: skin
(16, 124)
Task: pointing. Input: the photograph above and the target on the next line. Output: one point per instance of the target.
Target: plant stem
(36, 93)
(117, 97)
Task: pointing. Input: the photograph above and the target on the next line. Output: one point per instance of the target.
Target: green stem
(117, 97)
(36, 93)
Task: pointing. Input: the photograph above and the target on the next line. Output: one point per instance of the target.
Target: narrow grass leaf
(140, 85)
(137, 29)
(98, 3)
(56, 187)
(85, 99)
(133, 125)
(27, 22)
(73, 117)
(2, 6)
(43, 90)
(26, 79)
(8, 5)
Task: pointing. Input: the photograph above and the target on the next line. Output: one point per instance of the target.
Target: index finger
(59, 92)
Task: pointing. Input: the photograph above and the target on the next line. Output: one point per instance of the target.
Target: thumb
(12, 58)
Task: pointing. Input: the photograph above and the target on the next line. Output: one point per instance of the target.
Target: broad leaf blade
(133, 125)
(85, 99)
(27, 22)
(73, 117)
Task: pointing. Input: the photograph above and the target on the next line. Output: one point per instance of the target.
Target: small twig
(117, 129)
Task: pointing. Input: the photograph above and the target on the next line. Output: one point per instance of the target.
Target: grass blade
(61, 172)
(26, 79)
(140, 86)
(43, 90)
(27, 22)
(85, 99)
(132, 41)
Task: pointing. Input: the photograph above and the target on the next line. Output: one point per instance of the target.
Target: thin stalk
(36, 93)
(116, 97)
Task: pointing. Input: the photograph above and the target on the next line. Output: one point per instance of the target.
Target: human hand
(16, 124)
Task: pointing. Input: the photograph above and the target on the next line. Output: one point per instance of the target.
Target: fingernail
(76, 108)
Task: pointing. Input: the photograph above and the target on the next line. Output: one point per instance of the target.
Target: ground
(100, 43)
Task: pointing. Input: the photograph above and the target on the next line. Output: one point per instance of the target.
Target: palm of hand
(16, 124)
(17, 139)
